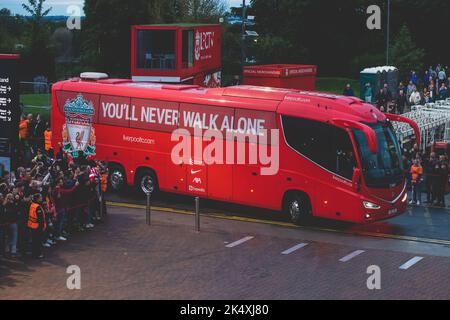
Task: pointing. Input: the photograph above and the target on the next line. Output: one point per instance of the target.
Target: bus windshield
(385, 168)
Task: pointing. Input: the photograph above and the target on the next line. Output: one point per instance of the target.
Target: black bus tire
(298, 207)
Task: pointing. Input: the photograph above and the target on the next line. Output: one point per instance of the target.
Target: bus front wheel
(298, 208)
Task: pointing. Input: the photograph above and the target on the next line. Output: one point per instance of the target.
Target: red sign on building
(302, 77)
(179, 53)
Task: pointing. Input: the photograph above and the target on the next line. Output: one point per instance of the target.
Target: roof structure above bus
(176, 25)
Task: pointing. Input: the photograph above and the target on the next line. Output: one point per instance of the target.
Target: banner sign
(153, 115)
(279, 71)
(9, 109)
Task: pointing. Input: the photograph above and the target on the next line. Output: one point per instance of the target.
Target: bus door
(337, 197)
(247, 185)
(220, 176)
(207, 174)
(252, 184)
(340, 200)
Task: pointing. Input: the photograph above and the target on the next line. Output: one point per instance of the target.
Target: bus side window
(311, 139)
(327, 146)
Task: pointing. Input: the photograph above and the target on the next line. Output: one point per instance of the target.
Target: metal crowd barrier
(433, 120)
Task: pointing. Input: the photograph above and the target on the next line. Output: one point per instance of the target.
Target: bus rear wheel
(116, 178)
(146, 182)
(298, 207)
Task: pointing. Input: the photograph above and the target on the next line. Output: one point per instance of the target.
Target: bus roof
(323, 106)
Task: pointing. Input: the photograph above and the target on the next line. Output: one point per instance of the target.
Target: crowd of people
(434, 86)
(49, 197)
(427, 173)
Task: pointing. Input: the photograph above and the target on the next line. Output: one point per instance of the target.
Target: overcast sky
(59, 7)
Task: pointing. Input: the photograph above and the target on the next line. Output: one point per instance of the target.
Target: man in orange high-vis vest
(48, 139)
(104, 182)
(37, 224)
(23, 128)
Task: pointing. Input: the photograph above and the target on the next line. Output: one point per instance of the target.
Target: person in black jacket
(430, 177)
(83, 193)
(348, 91)
(401, 102)
(381, 101)
(441, 182)
(39, 130)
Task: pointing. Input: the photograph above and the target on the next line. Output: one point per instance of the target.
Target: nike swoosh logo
(195, 172)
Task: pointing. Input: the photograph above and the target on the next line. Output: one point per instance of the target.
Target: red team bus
(338, 158)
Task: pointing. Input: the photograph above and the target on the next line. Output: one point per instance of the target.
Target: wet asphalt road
(419, 221)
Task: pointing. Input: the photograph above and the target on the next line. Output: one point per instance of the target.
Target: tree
(5, 36)
(416, 14)
(323, 32)
(11, 30)
(107, 27)
(405, 54)
(205, 10)
(36, 10)
(275, 49)
(335, 36)
(38, 54)
(231, 53)
(106, 33)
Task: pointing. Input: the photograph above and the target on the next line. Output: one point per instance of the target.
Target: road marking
(295, 248)
(285, 224)
(411, 262)
(352, 255)
(239, 242)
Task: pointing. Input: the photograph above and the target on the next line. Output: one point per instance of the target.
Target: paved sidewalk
(125, 259)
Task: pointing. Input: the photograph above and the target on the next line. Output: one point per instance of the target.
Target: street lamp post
(388, 33)
(244, 9)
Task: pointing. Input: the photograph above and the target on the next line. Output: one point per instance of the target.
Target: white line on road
(294, 248)
(352, 255)
(235, 244)
(410, 263)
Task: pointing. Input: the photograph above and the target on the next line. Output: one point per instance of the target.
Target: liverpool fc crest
(78, 133)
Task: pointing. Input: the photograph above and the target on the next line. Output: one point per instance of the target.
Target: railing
(433, 120)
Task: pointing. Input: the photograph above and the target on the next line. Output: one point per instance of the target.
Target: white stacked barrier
(433, 120)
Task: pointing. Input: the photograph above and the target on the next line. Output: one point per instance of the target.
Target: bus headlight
(371, 206)
(405, 197)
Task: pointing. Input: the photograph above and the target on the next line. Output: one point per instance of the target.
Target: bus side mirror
(411, 123)
(356, 180)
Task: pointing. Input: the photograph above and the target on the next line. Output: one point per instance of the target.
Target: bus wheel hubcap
(295, 210)
(147, 184)
(116, 179)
